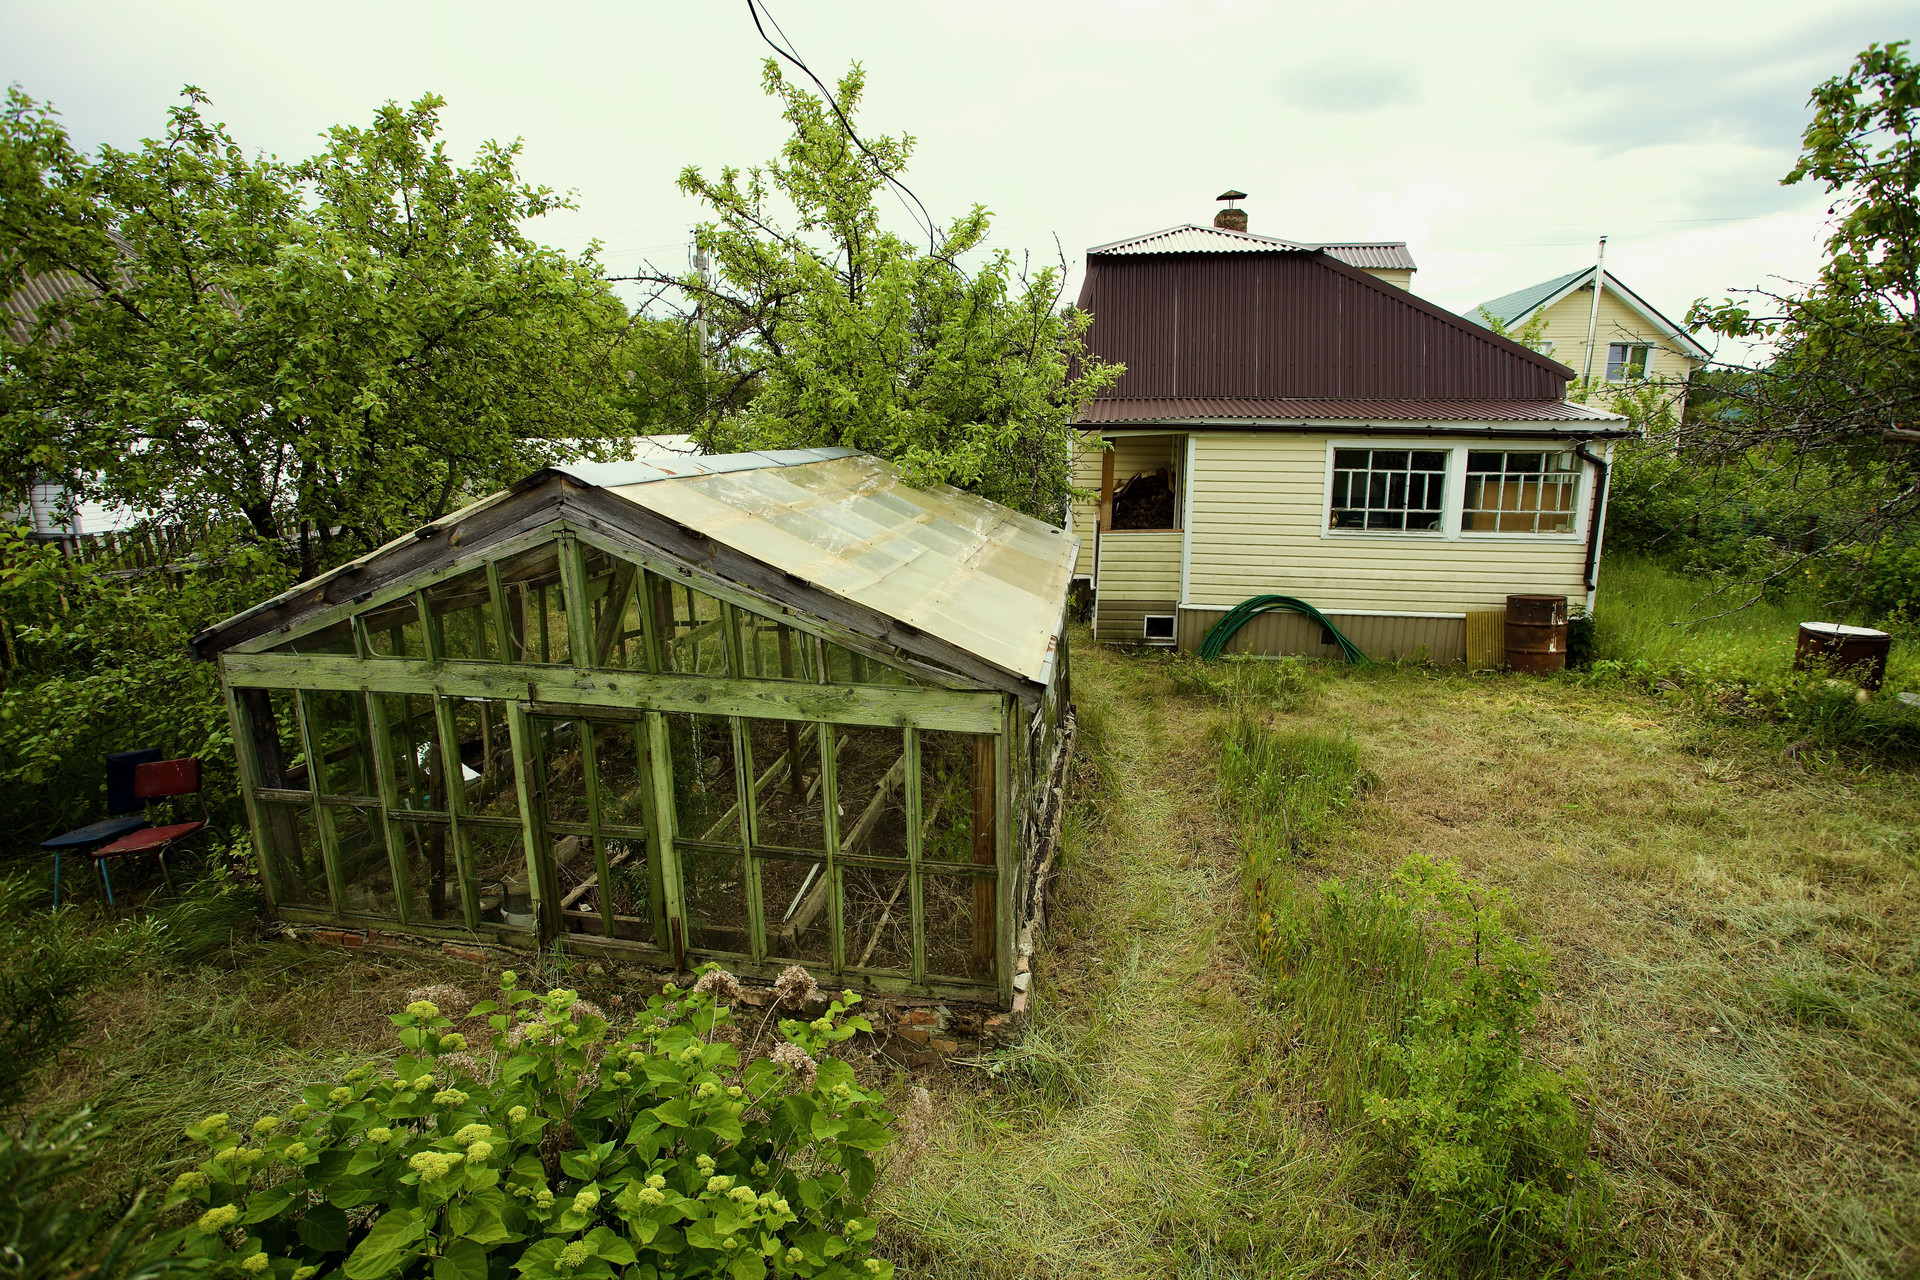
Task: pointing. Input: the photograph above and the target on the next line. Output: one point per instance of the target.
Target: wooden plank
(573, 581)
(985, 827)
(247, 761)
(611, 614)
(408, 562)
(659, 756)
(590, 777)
(830, 793)
(915, 835)
(459, 809)
(1005, 850)
(323, 821)
(543, 880)
(964, 712)
(388, 780)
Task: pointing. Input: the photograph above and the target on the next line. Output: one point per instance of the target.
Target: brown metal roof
(1197, 239)
(1293, 325)
(1229, 411)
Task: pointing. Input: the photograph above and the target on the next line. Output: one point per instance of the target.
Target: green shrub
(46, 1232)
(565, 1154)
(1497, 1149)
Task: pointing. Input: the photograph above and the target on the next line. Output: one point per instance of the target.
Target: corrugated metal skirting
(1385, 639)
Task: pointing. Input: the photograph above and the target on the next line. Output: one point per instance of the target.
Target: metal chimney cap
(1231, 195)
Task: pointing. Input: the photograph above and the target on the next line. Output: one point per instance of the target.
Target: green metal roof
(1509, 307)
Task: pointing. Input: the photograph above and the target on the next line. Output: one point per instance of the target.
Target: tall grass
(1688, 623)
(1733, 656)
(1408, 1006)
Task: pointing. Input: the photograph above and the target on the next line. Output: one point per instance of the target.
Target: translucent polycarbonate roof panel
(971, 572)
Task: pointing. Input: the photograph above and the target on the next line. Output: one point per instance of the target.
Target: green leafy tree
(331, 352)
(1833, 418)
(855, 336)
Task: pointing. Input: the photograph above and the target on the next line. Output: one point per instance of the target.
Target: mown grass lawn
(1735, 938)
(1734, 932)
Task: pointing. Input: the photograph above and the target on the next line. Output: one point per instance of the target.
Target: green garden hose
(1247, 610)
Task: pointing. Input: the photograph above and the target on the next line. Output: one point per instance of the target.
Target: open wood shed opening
(766, 709)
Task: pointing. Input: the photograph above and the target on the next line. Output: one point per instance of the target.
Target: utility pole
(1593, 316)
(701, 265)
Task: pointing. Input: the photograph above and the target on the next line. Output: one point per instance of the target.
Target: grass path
(1141, 1132)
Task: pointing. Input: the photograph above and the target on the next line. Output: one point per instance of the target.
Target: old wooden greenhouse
(762, 708)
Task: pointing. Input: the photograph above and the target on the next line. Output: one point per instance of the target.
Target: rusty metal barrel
(1859, 653)
(1537, 633)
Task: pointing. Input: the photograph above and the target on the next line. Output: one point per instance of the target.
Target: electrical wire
(925, 219)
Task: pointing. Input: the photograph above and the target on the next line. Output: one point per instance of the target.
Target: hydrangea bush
(565, 1154)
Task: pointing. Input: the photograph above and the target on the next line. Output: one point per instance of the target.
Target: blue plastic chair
(127, 809)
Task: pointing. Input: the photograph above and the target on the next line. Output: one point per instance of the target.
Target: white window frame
(1453, 499)
(1172, 638)
(1646, 366)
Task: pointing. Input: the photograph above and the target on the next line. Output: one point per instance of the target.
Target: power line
(925, 219)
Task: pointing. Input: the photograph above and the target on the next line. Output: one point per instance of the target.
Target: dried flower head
(585, 1009)
(719, 984)
(461, 1064)
(795, 986)
(795, 1059)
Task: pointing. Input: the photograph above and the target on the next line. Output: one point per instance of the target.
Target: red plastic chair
(161, 780)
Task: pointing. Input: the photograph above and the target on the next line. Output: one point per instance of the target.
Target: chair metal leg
(165, 878)
(109, 882)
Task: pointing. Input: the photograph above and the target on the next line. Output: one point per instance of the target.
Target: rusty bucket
(1857, 652)
(1537, 633)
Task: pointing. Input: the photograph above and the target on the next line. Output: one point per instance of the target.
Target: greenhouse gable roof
(942, 563)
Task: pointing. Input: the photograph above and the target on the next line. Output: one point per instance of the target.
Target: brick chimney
(1231, 218)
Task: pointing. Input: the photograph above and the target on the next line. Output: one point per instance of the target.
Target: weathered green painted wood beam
(964, 712)
(542, 879)
(322, 820)
(247, 758)
(388, 780)
(336, 601)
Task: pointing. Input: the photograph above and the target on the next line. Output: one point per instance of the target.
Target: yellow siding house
(1632, 341)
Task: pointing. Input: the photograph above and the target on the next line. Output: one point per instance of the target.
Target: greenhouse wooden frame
(564, 718)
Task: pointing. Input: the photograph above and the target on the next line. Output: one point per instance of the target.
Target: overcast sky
(1497, 140)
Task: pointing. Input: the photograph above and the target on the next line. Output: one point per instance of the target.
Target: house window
(1530, 491)
(1627, 360)
(1157, 627)
(1454, 491)
(1401, 490)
